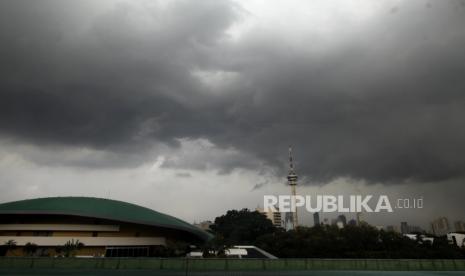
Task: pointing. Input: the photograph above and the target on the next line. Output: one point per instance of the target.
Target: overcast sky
(188, 107)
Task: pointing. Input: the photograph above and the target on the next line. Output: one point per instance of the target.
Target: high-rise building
(393, 228)
(275, 217)
(292, 181)
(459, 226)
(316, 219)
(415, 229)
(440, 226)
(288, 224)
(404, 227)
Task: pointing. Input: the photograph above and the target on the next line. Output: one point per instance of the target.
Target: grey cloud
(259, 185)
(386, 114)
(383, 102)
(202, 155)
(101, 87)
(183, 174)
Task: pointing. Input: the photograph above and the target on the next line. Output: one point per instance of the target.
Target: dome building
(105, 227)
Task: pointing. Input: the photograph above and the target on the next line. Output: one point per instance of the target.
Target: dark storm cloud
(382, 102)
(110, 84)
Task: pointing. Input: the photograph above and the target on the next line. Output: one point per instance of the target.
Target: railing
(183, 264)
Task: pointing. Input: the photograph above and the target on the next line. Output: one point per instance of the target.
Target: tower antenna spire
(291, 162)
(292, 181)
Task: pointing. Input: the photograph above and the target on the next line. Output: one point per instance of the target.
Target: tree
(70, 248)
(322, 241)
(242, 227)
(30, 249)
(10, 245)
(176, 249)
(362, 241)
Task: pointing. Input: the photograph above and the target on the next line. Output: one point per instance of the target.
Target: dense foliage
(7, 246)
(352, 242)
(30, 249)
(242, 227)
(364, 241)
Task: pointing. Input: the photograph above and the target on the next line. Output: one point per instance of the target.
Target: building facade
(459, 226)
(275, 217)
(316, 219)
(102, 227)
(440, 226)
(404, 228)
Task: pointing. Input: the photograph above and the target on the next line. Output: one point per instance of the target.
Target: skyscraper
(275, 217)
(316, 219)
(459, 226)
(288, 225)
(404, 227)
(292, 181)
(392, 228)
(440, 226)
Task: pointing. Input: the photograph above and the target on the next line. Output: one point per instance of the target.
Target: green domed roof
(100, 208)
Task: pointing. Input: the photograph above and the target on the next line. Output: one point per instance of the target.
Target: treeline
(364, 241)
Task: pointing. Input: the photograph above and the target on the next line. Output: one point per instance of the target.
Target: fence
(233, 264)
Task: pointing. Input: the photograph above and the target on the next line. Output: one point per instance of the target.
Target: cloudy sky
(188, 107)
